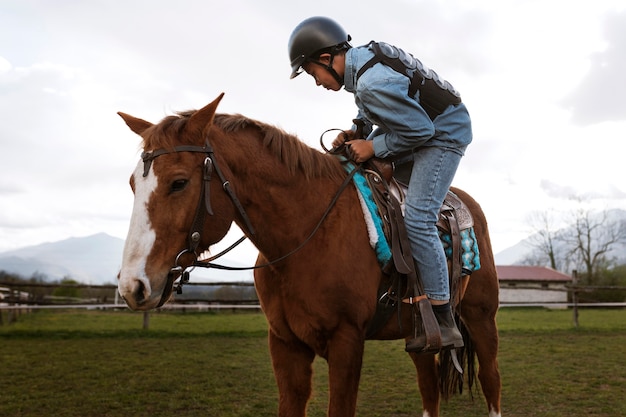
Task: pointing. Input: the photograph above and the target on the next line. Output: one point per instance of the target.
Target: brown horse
(202, 171)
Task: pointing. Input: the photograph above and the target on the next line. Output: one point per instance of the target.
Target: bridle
(204, 207)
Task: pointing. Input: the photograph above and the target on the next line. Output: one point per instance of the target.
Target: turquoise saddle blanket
(470, 254)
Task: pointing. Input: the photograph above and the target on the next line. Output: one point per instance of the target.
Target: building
(532, 285)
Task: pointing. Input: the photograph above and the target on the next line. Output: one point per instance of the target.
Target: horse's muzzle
(138, 293)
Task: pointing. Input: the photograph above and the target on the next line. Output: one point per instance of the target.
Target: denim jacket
(381, 95)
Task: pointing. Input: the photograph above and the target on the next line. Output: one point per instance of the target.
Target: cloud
(5, 65)
(10, 186)
(600, 94)
(66, 156)
(605, 192)
(558, 191)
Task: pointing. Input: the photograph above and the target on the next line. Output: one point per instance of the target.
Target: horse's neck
(283, 209)
(285, 214)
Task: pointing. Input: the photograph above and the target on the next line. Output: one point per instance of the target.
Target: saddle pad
(374, 224)
(470, 254)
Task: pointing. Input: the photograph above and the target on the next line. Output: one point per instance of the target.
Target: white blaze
(141, 236)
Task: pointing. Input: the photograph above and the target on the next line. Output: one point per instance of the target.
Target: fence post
(575, 296)
(146, 320)
(13, 313)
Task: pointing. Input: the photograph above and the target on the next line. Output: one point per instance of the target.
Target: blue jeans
(433, 171)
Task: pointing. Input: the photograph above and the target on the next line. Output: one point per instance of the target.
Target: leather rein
(204, 207)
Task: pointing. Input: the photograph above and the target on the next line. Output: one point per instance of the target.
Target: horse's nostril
(140, 292)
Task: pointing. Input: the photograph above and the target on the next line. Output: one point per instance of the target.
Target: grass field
(101, 363)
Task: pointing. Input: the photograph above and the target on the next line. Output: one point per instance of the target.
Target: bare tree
(590, 239)
(543, 240)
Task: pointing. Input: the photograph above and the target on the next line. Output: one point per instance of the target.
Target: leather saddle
(403, 284)
(389, 192)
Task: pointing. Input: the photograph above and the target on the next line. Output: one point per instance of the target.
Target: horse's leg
(427, 379)
(483, 330)
(292, 362)
(345, 359)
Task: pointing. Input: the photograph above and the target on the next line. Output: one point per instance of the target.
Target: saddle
(454, 217)
(388, 193)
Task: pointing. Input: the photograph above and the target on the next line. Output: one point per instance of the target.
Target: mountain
(514, 254)
(92, 260)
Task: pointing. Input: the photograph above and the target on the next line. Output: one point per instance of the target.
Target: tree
(615, 277)
(583, 243)
(590, 239)
(544, 240)
(67, 289)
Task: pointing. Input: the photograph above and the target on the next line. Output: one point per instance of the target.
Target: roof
(530, 273)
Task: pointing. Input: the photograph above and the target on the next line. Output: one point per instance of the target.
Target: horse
(316, 276)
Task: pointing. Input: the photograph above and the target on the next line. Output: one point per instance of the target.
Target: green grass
(97, 363)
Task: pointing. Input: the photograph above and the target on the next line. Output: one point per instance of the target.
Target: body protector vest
(435, 94)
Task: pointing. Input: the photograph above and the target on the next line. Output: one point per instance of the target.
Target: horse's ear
(201, 119)
(136, 125)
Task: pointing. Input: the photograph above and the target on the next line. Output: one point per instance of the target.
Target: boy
(420, 122)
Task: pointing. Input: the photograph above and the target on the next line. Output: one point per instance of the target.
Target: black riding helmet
(313, 37)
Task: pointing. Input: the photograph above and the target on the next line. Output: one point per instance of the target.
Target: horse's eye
(178, 185)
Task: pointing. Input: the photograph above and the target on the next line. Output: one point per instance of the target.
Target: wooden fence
(22, 297)
(19, 298)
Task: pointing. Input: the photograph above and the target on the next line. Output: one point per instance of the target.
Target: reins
(208, 264)
(333, 151)
(194, 236)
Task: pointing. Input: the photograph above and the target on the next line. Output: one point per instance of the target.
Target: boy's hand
(342, 138)
(360, 150)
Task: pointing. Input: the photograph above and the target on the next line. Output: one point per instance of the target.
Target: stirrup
(430, 337)
(418, 345)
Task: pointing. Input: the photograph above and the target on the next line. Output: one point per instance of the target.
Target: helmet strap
(333, 72)
(330, 68)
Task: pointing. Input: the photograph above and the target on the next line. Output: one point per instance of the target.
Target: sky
(543, 81)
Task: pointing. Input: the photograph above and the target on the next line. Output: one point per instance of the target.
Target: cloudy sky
(543, 80)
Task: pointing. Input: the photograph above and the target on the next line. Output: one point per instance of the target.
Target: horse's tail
(450, 380)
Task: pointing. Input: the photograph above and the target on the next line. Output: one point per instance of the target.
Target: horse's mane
(293, 153)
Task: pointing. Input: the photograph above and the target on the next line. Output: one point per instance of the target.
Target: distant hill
(97, 259)
(514, 254)
(93, 260)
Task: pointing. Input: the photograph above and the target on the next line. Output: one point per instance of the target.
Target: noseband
(204, 206)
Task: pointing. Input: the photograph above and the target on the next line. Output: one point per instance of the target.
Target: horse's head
(177, 212)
